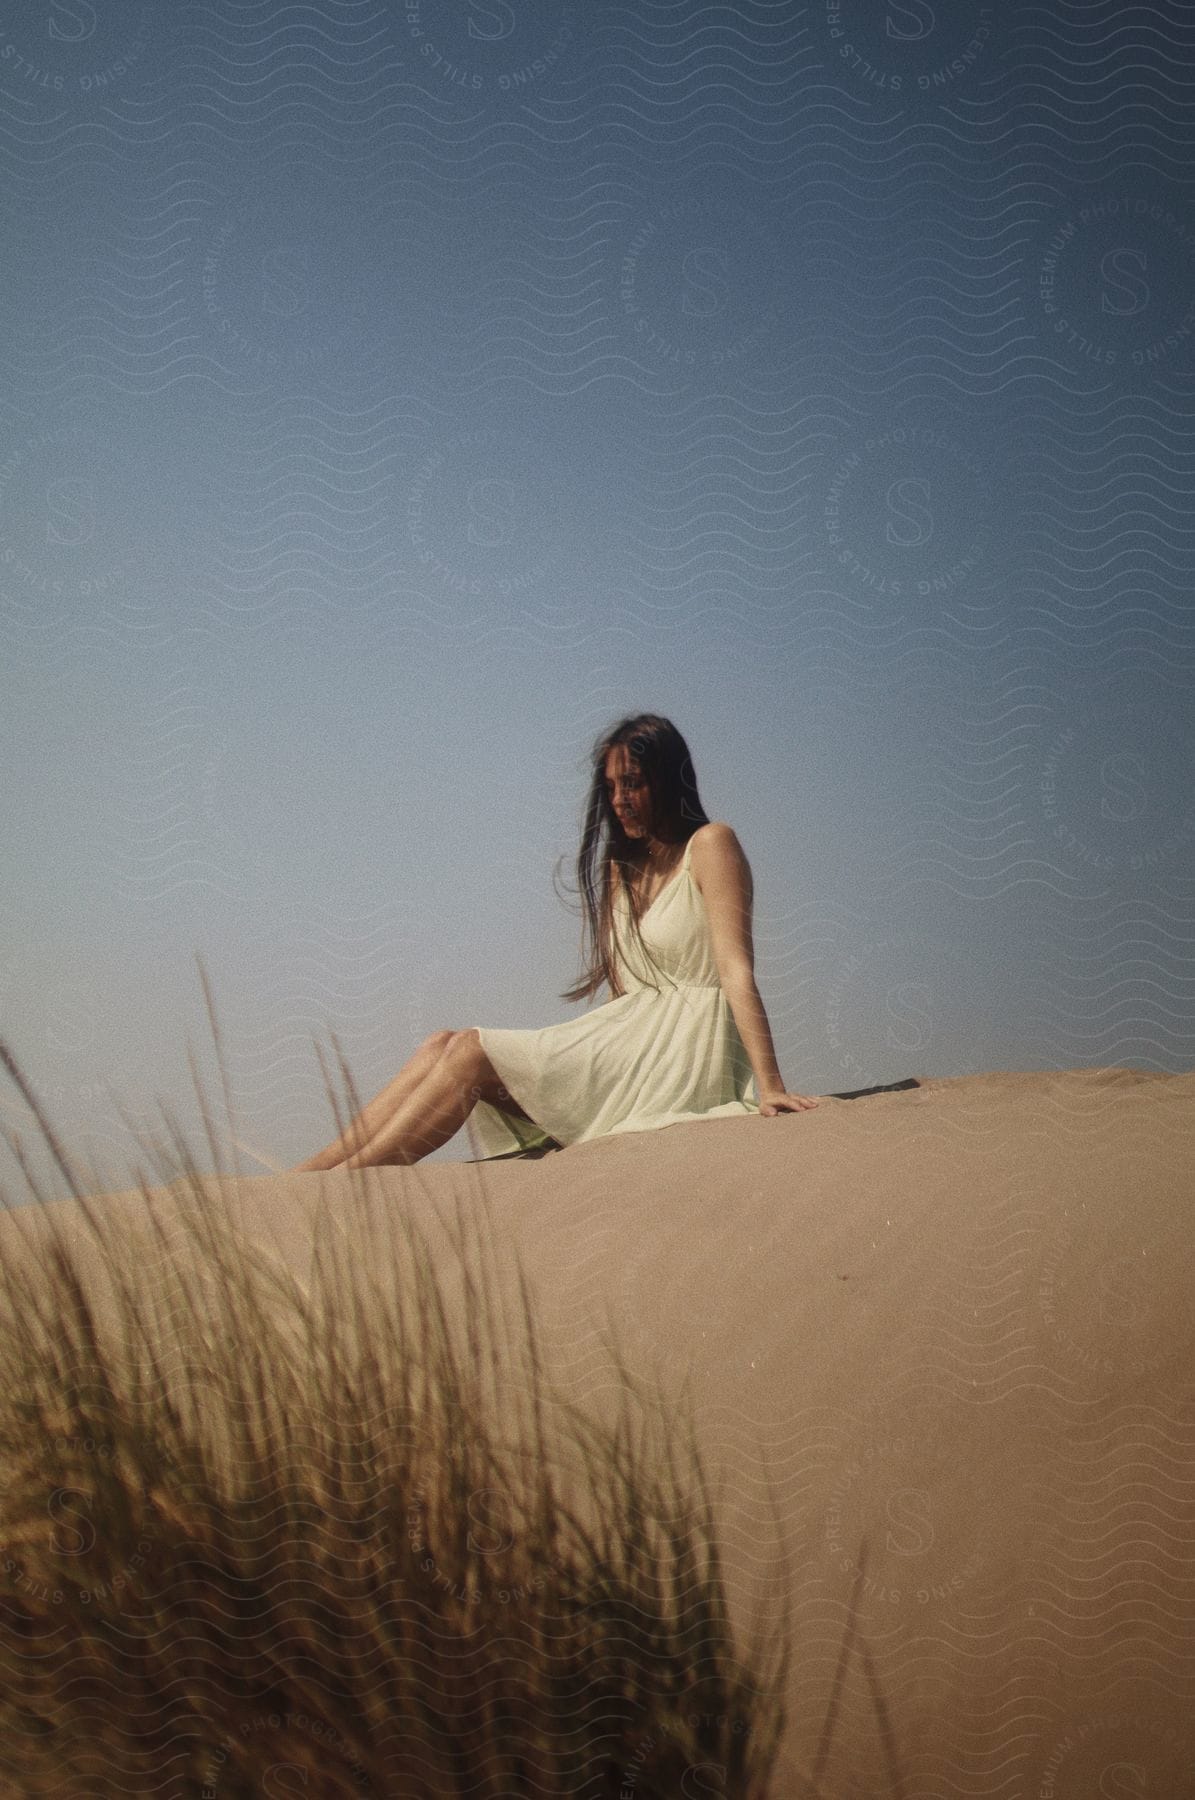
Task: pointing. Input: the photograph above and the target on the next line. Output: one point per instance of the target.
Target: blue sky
(394, 396)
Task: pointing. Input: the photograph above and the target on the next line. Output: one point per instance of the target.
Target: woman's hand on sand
(775, 1100)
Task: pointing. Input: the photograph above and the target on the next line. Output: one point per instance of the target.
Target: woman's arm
(723, 877)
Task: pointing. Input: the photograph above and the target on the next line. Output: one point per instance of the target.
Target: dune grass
(264, 1533)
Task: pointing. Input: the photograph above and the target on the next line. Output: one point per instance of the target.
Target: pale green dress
(640, 1062)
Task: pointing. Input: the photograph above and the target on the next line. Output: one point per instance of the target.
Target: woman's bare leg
(436, 1109)
(373, 1117)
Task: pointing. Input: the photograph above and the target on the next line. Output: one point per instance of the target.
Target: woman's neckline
(677, 872)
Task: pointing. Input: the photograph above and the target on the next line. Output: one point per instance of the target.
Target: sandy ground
(942, 1344)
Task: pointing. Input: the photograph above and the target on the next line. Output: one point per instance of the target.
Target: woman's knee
(463, 1047)
(438, 1041)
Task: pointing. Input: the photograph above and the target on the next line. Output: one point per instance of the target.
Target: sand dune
(945, 1341)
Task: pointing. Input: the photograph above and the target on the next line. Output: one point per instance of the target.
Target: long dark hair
(662, 755)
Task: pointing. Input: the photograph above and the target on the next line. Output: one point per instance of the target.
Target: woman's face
(628, 792)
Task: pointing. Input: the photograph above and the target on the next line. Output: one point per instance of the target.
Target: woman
(673, 900)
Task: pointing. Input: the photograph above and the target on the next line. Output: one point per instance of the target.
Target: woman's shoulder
(711, 843)
(715, 834)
